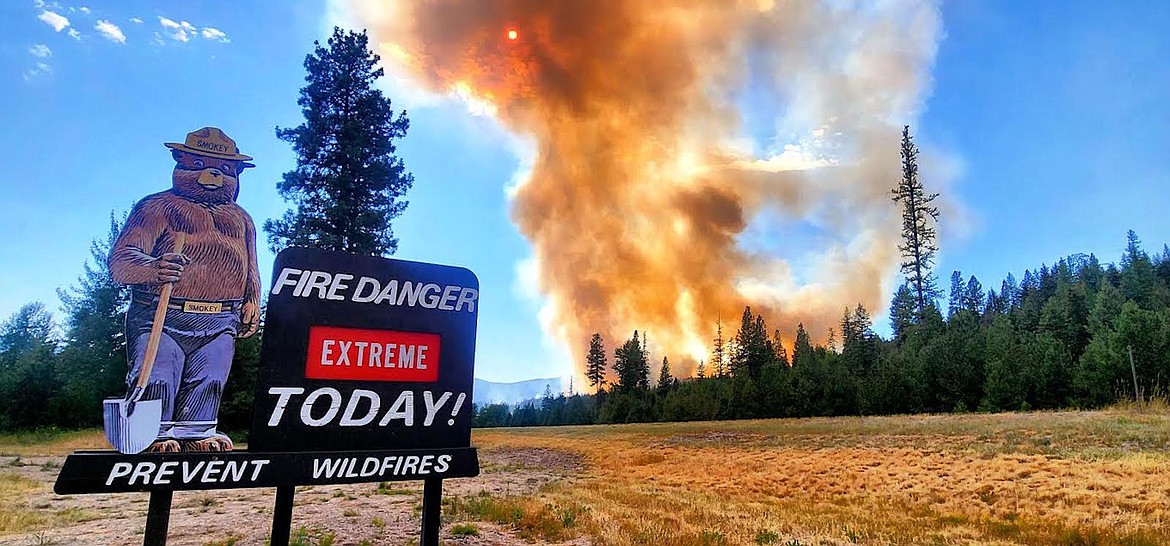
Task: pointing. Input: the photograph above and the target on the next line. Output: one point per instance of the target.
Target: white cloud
(53, 19)
(83, 9)
(158, 39)
(38, 4)
(110, 31)
(75, 34)
(214, 34)
(136, 20)
(40, 50)
(181, 31)
(40, 68)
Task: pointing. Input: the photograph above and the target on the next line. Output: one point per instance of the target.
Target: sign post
(366, 375)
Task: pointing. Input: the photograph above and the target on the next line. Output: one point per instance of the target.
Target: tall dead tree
(918, 232)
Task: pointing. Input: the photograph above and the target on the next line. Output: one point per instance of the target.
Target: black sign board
(365, 353)
(112, 472)
(366, 375)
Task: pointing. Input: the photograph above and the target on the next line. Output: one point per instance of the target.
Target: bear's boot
(164, 446)
(215, 442)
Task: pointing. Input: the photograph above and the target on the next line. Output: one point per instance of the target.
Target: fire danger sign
(365, 353)
(372, 355)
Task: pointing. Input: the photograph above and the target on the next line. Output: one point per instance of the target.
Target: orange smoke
(691, 156)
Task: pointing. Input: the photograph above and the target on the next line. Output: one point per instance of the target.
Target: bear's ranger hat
(211, 142)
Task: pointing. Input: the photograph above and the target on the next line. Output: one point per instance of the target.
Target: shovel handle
(160, 314)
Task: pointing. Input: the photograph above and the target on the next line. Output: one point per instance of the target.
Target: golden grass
(17, 516)
(530, 518)
(1038, 478)
(51, 442)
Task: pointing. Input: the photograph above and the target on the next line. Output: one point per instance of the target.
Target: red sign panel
(372, 355)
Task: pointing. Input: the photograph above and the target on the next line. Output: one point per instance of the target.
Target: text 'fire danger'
(339, 287)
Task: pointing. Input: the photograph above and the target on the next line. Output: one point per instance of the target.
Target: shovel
(132, 423)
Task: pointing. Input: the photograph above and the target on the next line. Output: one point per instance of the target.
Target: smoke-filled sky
(622, 164)
(662, 130)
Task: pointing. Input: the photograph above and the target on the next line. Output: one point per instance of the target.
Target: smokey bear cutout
(210, 288)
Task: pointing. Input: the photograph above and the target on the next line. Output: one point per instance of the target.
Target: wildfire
(661, 197)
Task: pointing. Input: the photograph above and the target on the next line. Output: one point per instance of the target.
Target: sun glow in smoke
(682, 145)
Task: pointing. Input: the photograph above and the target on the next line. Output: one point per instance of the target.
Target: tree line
(1060, 336)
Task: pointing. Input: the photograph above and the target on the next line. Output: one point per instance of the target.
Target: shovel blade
(130, 434)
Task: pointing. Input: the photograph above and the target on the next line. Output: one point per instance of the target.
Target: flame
(691, 156)
(475, 104)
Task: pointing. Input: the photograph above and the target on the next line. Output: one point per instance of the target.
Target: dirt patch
(533, 458)
(377, 513)
(715, 438)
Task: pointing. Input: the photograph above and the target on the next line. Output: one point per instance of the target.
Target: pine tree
(753, 351)
(595, 363)
(1047, 282)
(994, 304)
(718, 353)
(701, 370)
(802, 352)
(664, 379)
(546, 400)
(27, 364)
(348, 181)
(1162, 266)
(856, 326)
(859, 343)
(902, 311)
(781, 354)
(1138, 279)
(973, 296)
(1009, 291)
(1066, 317)
(958, 294)
(644, 365)
(1063, 270)
(1027, 286)
(918, 232)
(848, 330)
(832, 342)
(631, 366)
(1091, 272)
(26, 330)
(93, 364)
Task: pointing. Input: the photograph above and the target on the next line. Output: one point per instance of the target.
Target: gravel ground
(353, 513)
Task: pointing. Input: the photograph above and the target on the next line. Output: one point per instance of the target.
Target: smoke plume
(692, 156)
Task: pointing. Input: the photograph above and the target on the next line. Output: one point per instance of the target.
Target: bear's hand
(169, 267)
(250, 316)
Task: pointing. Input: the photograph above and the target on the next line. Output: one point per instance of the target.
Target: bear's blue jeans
(192, 364)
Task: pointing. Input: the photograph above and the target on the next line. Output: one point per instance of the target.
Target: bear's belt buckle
(202, 307)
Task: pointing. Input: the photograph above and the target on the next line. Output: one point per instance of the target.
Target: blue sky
(1054, 116)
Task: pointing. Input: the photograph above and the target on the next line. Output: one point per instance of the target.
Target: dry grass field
(1078, 478)
(1038, 478)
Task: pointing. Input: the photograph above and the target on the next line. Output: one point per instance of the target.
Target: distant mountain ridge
(489, 392)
